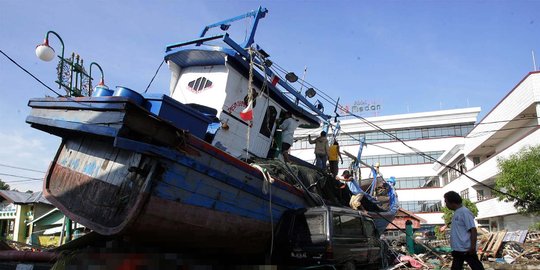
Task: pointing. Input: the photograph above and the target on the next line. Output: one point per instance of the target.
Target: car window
(300, 231)
(308, 228)
(347, 225)
(315, 224)
(370, 228)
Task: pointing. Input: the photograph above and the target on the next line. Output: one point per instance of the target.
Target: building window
(418, 133)
(480, 195)
(444, 179)
(417, 182)
(450, 175)
(476, 160)
(464, 194)
(432, 206)
(394, 160)
(407, 159)
(402, 134)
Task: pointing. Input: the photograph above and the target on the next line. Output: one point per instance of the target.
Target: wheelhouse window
(199, 84)
(268, 121)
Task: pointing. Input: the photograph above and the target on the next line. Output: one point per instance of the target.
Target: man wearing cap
(357, 192)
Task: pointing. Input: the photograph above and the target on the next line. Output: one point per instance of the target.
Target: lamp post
(46, 53)
(71, 72)
(101, 82)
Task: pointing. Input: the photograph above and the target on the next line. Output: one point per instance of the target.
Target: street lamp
(71, 72)
(46, 53)
(102, 81)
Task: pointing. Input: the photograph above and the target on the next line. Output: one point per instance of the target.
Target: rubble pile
(497, 250)
(527, 252)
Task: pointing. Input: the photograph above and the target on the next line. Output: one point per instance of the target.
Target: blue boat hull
(164, 186)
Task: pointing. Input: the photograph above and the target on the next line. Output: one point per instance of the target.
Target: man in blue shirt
(357, 193)
(463, 234)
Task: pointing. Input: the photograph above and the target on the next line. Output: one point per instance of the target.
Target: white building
(418, 185)
(511, 125)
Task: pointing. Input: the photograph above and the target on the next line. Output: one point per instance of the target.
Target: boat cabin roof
(207, 55)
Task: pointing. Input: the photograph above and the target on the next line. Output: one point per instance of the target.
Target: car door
(349, 240)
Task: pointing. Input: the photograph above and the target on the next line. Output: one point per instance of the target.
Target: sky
(407, 56)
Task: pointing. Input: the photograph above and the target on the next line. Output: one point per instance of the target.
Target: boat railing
(249, 51)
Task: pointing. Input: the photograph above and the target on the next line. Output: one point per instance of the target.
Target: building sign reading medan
(361, 107)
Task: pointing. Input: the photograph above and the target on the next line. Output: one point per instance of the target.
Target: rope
(250, 97)
(150, 83)
(318, 201)
(267, 189)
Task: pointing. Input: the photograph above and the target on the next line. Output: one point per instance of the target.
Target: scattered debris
(497, 250)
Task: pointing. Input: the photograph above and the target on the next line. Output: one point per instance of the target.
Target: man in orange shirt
(333, 154)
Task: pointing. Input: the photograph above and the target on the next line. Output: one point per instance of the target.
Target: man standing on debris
(321, 150)
(463, 234)
(288, 126)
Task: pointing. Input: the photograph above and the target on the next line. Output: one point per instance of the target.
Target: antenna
(302, 84)
(534, 61)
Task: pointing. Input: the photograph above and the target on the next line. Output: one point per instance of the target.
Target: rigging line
(305, 83)
(20, 176)
(430, 157)
(439, 162)
(376, 127)
(333, 102)
(29, 73)
(157, 71)
(20, 168)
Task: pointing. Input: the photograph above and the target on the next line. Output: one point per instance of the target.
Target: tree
(3, 185)
(448, 214)
(520, 177)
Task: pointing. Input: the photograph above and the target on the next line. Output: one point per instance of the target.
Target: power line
(436, 160)
(20, 168)
(23, 181)
(29, 73)
(20, 176)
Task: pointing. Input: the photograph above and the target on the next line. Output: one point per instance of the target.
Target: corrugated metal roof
(18, 197)
(37, 197)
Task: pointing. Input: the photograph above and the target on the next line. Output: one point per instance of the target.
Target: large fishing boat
(197, 166)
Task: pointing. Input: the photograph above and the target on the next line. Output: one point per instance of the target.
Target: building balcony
(7, 214)
(493, 207)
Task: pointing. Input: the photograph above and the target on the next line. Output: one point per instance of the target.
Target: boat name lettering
(239, 103)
